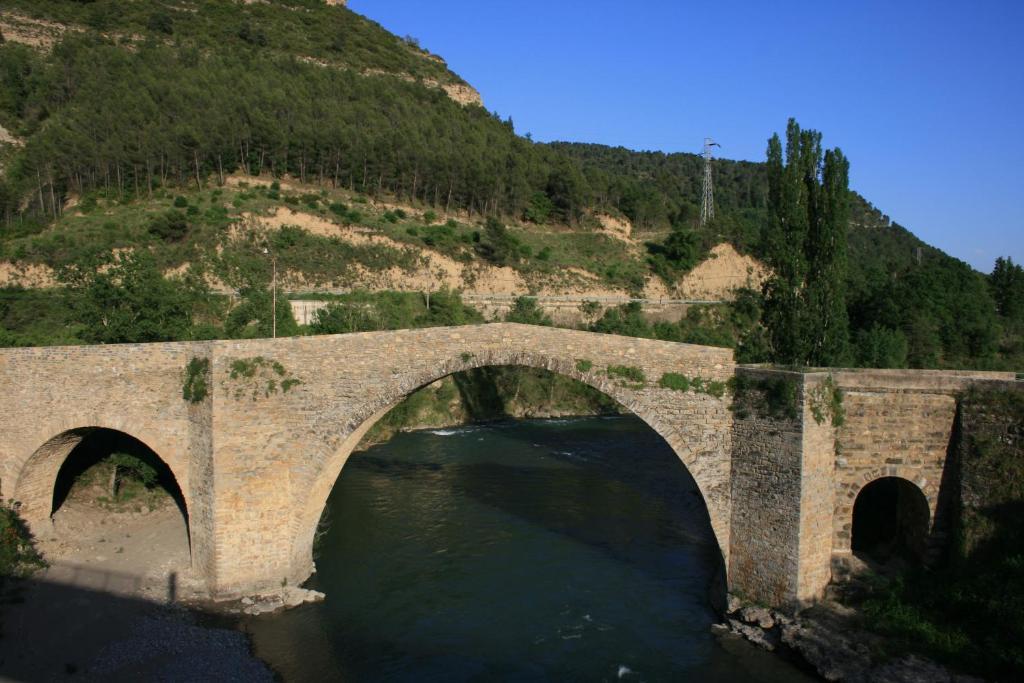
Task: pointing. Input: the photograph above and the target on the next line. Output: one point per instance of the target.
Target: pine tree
(805, 244)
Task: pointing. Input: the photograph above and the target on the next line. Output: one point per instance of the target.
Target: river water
(535, 550)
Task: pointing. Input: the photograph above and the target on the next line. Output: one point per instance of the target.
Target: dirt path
(135, 553)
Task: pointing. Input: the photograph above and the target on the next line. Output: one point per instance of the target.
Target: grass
(101, 223)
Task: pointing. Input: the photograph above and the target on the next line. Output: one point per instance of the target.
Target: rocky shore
(829, 641)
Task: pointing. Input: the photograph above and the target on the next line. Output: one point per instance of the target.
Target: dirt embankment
(35, 33)
(27, 275)
(723, 272)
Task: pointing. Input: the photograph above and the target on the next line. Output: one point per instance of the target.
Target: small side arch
(891, 515)
(40, 487)
(314, 496)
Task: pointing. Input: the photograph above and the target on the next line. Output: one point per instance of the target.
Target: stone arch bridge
(269, 425)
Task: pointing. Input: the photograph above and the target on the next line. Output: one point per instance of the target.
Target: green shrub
(180, 202)
(18, 554)
(171, 226)
(774, 397)
(674, 381)
(629, 372)
(195, 388)
(584, 365)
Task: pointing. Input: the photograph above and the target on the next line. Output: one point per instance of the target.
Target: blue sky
(925, 98)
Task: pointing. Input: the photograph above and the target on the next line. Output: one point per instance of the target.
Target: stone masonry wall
(49, 396)
(899, 423)
(304, 437)
(764, 562)
(817, 487)
(257, 458)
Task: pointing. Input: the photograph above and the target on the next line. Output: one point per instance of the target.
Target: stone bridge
(269, 424)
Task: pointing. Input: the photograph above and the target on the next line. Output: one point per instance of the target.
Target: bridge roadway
(257, 454)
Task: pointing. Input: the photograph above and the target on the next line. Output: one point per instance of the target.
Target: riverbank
(830, 640)
(488, 394)
(117, 602)
(55, 631)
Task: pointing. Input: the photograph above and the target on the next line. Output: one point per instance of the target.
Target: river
(535, 550)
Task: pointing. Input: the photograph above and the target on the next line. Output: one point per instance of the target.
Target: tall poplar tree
(805, 244)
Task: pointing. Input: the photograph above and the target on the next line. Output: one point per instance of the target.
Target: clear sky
(926, 98)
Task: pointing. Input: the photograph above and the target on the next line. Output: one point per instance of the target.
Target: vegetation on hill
(134, 116)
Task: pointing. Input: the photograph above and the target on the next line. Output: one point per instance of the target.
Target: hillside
(202, 132)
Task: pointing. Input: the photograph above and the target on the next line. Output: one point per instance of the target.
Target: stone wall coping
(723, 354)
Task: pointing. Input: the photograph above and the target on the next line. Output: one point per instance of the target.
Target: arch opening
(563, 515)
(890, 521)
(103, 501)
(506, 389)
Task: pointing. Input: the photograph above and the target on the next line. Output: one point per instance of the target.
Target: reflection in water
(535, 550)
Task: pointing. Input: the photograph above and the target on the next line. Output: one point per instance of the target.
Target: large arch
(313, 497)
(35, 491)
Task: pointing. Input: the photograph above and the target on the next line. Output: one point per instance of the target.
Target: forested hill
(129, 105)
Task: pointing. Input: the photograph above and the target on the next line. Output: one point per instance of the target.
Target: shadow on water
(630, 501)
(572, 550)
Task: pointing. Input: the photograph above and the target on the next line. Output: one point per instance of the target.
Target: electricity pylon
(707, 209)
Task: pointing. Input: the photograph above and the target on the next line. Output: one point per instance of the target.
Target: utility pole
(707, 208)
(273, 294)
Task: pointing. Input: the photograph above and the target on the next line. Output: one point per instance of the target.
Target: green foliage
(525, 310)
(18, 554)
(365, 311)
(128, 465)
(676, 256)
(627, 320)
(826, 401)
(627, 372)
(772, 397)
(194, 388)
(1007, 285)
(805, 245)
(258, 377)
(969, 615)
(539, 209)
(34, 317)
(674, 381)
(490, 393)
(243, 89)
(678, 382)
(584, 365)
(171, 226)
(251, 318)
(880, 347)
(498, 245)
(131, 301)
